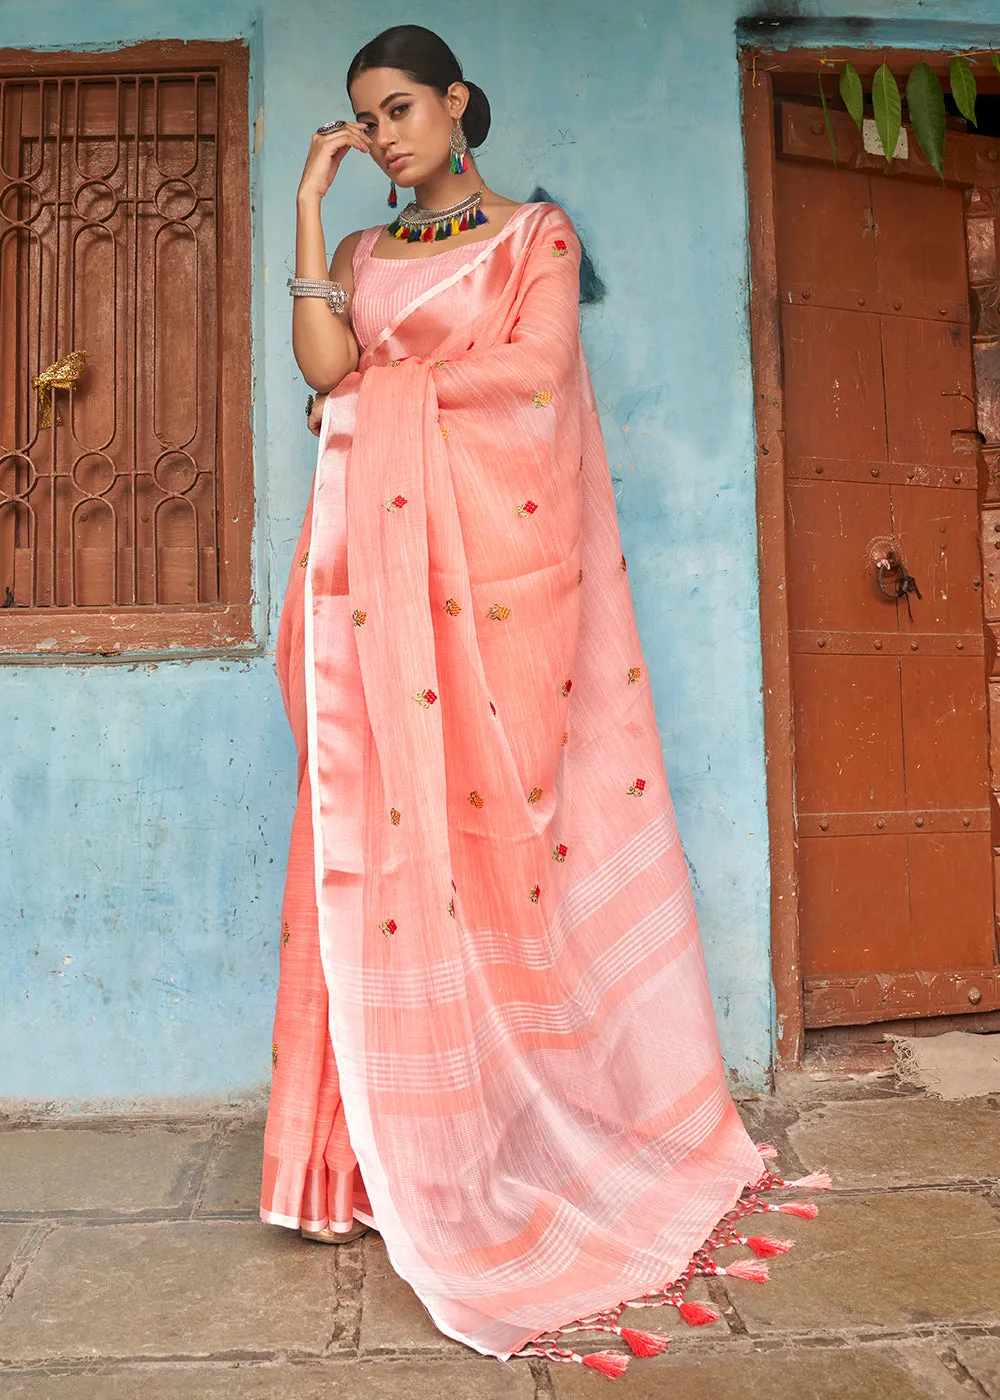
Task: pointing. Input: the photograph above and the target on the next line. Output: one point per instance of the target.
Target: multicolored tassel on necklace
(393, 199)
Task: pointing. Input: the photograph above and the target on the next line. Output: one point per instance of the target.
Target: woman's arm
(325, 349)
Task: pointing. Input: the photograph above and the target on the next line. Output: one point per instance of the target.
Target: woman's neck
(444, 189)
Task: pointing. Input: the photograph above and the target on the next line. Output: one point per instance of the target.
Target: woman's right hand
(325, 154)
(316, 413)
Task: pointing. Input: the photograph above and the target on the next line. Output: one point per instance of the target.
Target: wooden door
(895, 823)
(125, 503)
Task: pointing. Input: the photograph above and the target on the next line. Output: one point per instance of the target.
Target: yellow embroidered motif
(425, 698)
(567, 687)
(477, 800)
(580, 578)
(565, 736)
(525, 509)
(274, 1054)
(304, 560)
(397, 503)
(394, 363)
(634, 674)
(359, 618)
(534, 893)
(637, 788)
(559, 249)
(452, 608)
(560, 852)
(395, 815)
(451, 907)
(286, 934)
(388, 927)
(445, 430)
(535, 794)
(541, 398)
(498, 612)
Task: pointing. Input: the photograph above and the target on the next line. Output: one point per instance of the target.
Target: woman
(494, 1039)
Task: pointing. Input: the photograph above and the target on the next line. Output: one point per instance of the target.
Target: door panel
(892, 777)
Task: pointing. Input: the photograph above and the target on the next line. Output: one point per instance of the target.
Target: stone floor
(132, 1264)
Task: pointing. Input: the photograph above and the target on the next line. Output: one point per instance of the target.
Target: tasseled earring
(392, 201)
(459, 147)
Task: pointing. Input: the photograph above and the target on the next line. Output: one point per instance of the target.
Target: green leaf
(853, 94)
(925, 104)
(888, 110)
(826, 115)
(963, 89)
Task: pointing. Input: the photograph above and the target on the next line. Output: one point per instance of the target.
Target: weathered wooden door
(885, 365)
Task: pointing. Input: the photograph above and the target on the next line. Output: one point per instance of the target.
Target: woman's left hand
(316, 415)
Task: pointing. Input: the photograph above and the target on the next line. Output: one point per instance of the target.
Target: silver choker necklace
(417, 225)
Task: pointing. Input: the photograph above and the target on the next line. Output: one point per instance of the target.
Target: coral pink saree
(524, 1058)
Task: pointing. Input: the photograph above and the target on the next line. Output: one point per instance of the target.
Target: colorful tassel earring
(459, 147)
(392, 201)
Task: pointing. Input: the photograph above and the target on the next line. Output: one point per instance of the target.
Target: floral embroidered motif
(499, 612)
(559, 853)
(286, 934)
(388, 927)
(535, 794)
(559, 249)
(445, 430)
(534, 893)
(493, 707)
(425, 698)
(359, 618)
(525, 509)
(451, 907)
(476, 799)
(567, 687)
(395, 815)
(580, 577)
(637, 788)
(541, 398)
(304, 560)
(397, 503)
(439, 363)
(565, 736)
(394, 363)
(623, 566)
(274, 1054)
(634, 674)
(452, 608)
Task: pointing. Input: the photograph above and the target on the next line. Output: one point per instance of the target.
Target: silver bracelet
(331, 292)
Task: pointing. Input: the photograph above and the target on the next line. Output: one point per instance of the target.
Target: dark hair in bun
(426, 59)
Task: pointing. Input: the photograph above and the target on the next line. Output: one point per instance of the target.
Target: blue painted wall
(146, 806)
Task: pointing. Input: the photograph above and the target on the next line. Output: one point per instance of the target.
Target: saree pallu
(518, 1008)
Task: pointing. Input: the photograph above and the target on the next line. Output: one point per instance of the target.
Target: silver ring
(327, 127)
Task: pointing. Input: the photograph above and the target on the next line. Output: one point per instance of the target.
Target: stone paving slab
(981, 1358)
(392, 1316)
(385, 1380)
(101, 1169)
(10, 1237)
(869, 1373)
(233, 1180)
(899, 1142)
(175, 1288)
(881, 1260)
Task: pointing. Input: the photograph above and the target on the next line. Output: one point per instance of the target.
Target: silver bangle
(332, 292)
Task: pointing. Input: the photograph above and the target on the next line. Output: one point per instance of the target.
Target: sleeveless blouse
(383, 287)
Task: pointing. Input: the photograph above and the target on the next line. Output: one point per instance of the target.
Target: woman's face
(409, 125)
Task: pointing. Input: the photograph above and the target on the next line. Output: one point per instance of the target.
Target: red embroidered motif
(634, 674)
(388, 927)
(534, 794)
(493, 707)
(580, 577)
(452, 608)
(535, 893)
(499, 612)
(567, 687)
(359, 618)
(525, 509)
(541, 398)
(397, 503)
(476, 800)
(304, 560)
(425, 698)
(637, 788)
(559, 853)
(286, 934)
(565, 736)
(395, 815)
(559, 249)
(451, 907)
(623, 566)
